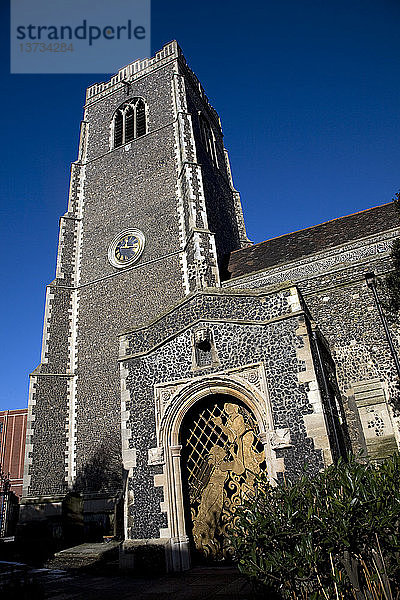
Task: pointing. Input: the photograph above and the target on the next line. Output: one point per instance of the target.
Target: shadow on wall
(100, 486)
(103, 471)
(89, 512)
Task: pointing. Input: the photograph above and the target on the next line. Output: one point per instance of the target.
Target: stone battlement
(140, 67)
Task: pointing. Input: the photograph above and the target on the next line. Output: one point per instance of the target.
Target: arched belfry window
(140, 118)
(208, 139)
(129, 122)
(118, 128)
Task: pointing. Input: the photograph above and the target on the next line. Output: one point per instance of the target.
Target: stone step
(86, 557)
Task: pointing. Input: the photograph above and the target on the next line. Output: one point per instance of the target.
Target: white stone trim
(123, 345)
(71, 426)
(179, 196)
(370, 396)
(59, 272)
(319, 263)
(29, 436)
(294, 300)
(128, 453)
(213, 252)
(81, 195)
(70, 453)
(314, 422)
(83, 141)
(179, 94)
(194, 231)
(185, 272)
(173, 400)
(70, 458)
(74, 174)
(46, 324)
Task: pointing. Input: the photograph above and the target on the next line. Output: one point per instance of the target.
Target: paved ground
(90, 572)
(196, 584)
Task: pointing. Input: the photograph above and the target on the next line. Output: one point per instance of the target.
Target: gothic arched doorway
(221, 456)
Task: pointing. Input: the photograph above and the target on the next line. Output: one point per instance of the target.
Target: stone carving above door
(251, 376)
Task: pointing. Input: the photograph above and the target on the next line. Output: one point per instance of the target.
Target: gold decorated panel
(221, 456)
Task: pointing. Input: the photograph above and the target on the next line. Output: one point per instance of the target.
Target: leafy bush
(389, 285)
(334, 535)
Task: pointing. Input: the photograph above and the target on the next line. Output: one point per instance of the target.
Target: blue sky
(309, 95)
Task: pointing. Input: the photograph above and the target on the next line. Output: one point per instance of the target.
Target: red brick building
(12, 446)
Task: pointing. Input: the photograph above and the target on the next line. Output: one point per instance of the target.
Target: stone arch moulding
(179, 397)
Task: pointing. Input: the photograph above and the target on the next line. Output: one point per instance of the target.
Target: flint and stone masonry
(285, 330)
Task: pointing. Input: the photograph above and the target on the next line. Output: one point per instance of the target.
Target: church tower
(152, 216)
(160, 387)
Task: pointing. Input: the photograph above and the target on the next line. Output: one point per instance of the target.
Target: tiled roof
(292, 246)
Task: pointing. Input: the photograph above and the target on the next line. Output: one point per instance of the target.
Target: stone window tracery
(208, 138)
(129, 122)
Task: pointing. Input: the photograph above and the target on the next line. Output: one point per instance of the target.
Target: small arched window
(129, 122)
(208, 138)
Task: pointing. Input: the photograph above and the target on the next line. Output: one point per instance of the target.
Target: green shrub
(334, 535)
(389, 285)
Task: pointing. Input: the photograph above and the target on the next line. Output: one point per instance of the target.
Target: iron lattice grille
(222, 455)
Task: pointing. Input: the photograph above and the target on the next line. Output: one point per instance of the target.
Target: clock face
(126, 248)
